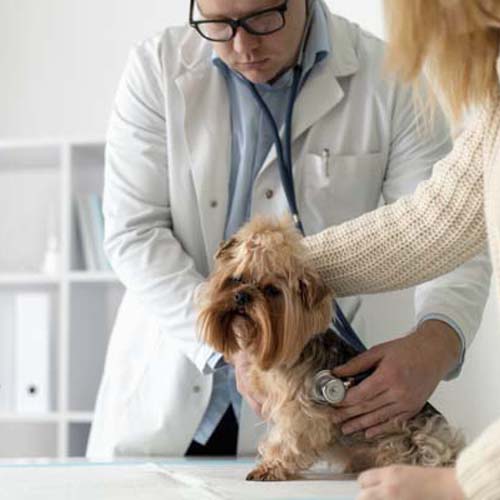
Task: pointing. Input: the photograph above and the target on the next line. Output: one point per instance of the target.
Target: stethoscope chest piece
(328, 389)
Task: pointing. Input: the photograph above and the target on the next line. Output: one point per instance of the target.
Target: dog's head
(262, 296)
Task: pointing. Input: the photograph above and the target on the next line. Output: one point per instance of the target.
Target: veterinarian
(447, 221)
(190, 157)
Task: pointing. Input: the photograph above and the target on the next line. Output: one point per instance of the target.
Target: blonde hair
(453, 40)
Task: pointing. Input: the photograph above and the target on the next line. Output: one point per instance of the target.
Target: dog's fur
(263, 298)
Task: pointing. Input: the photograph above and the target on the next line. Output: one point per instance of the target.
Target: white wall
(64, 59)
(367, 13)
(61, 61)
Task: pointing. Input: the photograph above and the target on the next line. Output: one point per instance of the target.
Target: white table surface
(176, 479)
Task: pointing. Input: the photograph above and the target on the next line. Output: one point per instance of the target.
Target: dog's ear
(224, 246)
(312, 290)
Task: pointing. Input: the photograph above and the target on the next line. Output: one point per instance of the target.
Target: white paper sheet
(176, 480)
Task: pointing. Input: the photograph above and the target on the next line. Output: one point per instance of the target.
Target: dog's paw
(267, 472)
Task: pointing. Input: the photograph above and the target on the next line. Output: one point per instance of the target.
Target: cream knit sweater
(478, 466)
(422, 236)
(426, 234)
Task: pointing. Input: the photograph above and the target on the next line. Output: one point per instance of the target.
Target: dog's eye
(235, 280)
(271, 291)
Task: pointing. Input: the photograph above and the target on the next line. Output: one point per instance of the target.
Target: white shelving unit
(38, 186)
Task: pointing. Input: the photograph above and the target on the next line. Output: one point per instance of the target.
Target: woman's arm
(421, 236)
(478, 466)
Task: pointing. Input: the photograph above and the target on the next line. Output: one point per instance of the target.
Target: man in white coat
(190, 157)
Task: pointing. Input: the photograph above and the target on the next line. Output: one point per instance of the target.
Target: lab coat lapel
(322, 91)
(319, 96)
(206, 124)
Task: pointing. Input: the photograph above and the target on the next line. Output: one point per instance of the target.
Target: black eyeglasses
(263, 22)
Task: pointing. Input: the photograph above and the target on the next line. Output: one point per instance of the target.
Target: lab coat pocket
(336, 188)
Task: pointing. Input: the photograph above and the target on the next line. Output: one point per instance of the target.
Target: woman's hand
(400, 482)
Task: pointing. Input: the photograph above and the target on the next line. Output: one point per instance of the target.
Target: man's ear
(312, 290)
(224, 246)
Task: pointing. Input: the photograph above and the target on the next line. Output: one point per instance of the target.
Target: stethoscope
(326, 388)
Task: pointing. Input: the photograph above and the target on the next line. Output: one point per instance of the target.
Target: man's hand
(241, 363)
(407, 371)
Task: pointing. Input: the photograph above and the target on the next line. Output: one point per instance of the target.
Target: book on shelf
(91, 229)
(6, 354)
(31, 372)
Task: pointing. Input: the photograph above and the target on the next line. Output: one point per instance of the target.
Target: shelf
(29, 417)
(88, 341)
(79, 417)
(28, 439)
(35, 155)
(93, 277)
(78, 437)
(13, 279)
(10, 279)
(40, 181)
(30, 197)
(88, 155)
(73, 417)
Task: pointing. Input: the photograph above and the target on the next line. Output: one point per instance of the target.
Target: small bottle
(52, 257)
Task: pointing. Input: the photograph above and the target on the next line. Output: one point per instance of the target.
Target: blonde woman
(444, 223)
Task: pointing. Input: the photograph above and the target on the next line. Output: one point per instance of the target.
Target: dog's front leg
(279, 462)
(292, 446)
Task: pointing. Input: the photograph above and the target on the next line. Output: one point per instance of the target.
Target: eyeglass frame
(236, 23)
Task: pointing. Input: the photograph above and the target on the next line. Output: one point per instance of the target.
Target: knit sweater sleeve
(478, 466)
(420, 236)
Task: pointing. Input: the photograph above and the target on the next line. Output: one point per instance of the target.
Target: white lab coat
(165, 202)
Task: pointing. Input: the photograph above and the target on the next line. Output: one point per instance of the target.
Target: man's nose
(244, 41)
(242, 298)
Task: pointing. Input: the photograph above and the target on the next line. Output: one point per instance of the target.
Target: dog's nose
(241, 298)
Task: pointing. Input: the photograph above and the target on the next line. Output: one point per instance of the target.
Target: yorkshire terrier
(265, 299)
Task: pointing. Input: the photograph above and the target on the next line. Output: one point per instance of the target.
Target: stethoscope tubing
(284, 155)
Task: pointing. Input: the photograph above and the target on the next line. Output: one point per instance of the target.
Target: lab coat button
(269, 194)
(213, 203)
(196, 389)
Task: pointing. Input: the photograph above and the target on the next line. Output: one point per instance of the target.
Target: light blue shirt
(252, 140)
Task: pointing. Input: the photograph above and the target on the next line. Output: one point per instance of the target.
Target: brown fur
(264, 299)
